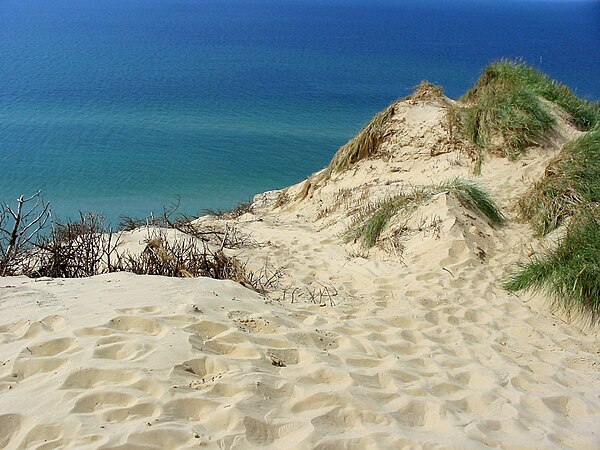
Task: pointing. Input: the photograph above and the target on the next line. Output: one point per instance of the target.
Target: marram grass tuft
(570, 272)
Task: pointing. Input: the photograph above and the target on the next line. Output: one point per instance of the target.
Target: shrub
(77, 249)
(19, 229)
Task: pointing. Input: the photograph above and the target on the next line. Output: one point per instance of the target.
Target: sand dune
(355, 349)
(145, 362)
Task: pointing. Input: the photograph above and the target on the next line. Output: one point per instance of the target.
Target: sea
(124, 107)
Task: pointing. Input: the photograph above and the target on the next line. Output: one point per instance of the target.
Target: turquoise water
(120, 106)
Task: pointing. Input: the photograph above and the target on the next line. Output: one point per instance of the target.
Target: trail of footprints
(276, 380)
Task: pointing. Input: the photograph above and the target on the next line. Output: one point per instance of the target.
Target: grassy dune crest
(505, 111)
(571, 181)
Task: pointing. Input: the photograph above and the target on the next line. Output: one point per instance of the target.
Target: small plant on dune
(427, 91)
(573, 179)
(77, 249)
(505, 111)
(370, 224)
(570, 272)
(474, 197)
(501, 114)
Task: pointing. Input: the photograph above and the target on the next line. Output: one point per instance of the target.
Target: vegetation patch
(570, 272)
(475, 198)
(365, 144)
(370, 224)
(505, 111)
(427, 91)
(569, 193)
(572, 180)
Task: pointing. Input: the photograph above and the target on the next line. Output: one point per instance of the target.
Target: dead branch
(18, 229)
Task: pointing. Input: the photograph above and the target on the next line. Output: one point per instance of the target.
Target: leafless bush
(18, 230)
(188, 257)
(84, 248)
(77, 249)
(266, 279)
(228, 236)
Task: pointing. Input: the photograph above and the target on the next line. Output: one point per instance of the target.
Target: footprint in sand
(103, 399)
(120, 351)
(43, 437)
(204, 368)
(88, 378)
(141, 410)
(141, 310)
(42, 357)
(191, 408)
(24, 329)
(136, 324)
(51, 347)
(261, 433)
(10, 426)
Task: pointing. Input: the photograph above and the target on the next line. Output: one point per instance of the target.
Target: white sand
(414, 345)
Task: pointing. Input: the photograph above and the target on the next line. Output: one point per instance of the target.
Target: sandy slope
(407, 346)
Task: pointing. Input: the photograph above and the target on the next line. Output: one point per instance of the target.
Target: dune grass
(368, 226)
(475, 198)
(366, 143)
(569, 193)
(505, 112)
(570, 272)
(371, 224)
(572, 180)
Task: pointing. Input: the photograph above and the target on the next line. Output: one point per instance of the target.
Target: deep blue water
(119, 106)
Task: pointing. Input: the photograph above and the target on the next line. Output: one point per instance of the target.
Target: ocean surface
(122, 106)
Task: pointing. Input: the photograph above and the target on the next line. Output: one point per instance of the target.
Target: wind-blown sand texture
(411, 344)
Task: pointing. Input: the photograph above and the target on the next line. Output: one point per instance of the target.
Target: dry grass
(365, 144)
(427, 91)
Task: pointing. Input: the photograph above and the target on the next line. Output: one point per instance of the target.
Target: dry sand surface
(411, 344)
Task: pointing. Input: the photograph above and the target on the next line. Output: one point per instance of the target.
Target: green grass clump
(369, 225)
(475, 198)
(570, 273)
(571, 180)
(372, 223)
(505, 112)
